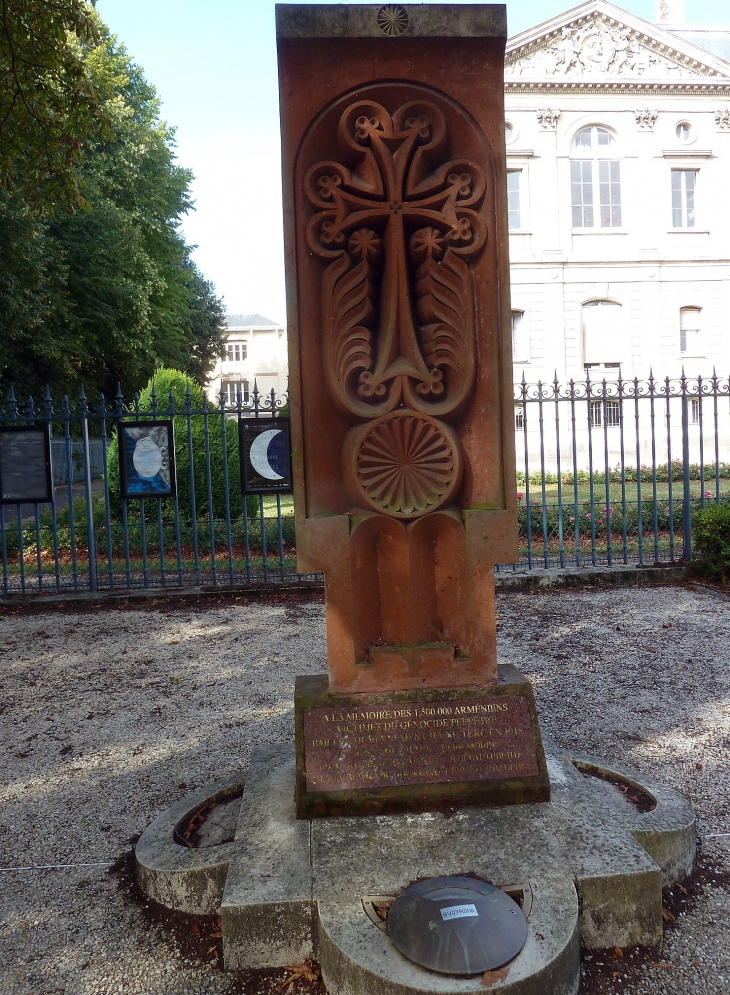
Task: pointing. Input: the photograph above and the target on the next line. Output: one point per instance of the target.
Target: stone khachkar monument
(402, 404)
(419, 787)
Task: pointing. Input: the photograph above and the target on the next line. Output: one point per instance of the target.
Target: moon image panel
(259, 454)
(147, 458)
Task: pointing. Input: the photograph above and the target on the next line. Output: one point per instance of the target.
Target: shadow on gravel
(191, 604)
(199, 941)
(617, 971)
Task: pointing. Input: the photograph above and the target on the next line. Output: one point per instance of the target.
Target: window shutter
(520, 338)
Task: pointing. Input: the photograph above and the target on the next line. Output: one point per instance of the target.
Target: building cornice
(720, 89)
(598, 47)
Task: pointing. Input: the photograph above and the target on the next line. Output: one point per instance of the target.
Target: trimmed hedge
(631, 474)
(711, 540)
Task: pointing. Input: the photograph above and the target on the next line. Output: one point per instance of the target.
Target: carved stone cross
(398, 209)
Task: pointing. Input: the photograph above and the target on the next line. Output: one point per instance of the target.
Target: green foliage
(207, 317)
(630, 474)
(711, 540)
(134, 544)
(48, 100)
(106, 294)
(176, 392)
(597, 522)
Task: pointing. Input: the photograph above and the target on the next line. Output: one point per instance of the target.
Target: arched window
(595, 179)
(603, 333)
(690, 343)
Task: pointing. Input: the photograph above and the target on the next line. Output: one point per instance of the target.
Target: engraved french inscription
(415, 743)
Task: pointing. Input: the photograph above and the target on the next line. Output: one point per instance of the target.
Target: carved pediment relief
(596, 48)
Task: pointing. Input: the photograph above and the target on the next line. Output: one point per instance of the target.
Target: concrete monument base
(592, 860)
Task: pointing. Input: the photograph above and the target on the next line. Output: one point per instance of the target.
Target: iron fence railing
(608, 472)
(88, 539)
(68, 461)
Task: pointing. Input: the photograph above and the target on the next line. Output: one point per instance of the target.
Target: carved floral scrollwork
(722, 119)
(396, 227)
(646, 119)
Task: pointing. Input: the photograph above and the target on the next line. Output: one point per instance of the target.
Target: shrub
(711, 538)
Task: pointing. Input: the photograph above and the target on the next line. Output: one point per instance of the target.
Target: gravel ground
(111, 714)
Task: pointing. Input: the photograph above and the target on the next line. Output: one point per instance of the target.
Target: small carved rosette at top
(397, 227)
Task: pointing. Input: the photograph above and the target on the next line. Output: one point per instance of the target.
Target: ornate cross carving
(396, 224)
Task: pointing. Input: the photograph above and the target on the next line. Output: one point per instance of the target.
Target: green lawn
(287, 504)
(599, 491)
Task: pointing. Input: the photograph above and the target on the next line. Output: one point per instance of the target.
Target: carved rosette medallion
(392, 19)
(403, 464)
(397, 222)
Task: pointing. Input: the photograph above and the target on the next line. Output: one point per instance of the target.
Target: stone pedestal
(592, 862)
(415, 750)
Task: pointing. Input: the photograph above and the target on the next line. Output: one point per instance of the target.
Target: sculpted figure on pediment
(593, 50)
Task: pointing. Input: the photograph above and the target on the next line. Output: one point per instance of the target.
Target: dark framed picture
(265, 452)
(146, 459)
(26, 475)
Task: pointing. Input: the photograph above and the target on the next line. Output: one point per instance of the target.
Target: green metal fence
(609, 472)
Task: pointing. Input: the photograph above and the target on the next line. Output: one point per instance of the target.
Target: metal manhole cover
(457, 925)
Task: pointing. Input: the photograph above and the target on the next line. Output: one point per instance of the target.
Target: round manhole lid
(457, 925)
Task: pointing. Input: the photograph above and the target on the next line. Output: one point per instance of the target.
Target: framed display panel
(146, 459)
(265, 448)
(26, 476)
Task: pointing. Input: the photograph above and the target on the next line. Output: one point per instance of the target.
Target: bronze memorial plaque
(418, 743)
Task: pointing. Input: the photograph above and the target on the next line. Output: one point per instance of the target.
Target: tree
(207, 325)
(107, 293)
(48, 103)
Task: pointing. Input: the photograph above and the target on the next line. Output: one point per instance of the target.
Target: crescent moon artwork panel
(266, 462)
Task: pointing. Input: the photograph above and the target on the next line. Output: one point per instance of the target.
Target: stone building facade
(618, 151)
(255, 353)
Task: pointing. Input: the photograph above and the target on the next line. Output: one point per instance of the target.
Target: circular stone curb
(668, 833)
(181, 878)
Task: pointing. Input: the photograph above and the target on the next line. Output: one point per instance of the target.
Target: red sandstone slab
(398, 313)
(434, 742)
(417, 750)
